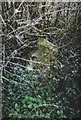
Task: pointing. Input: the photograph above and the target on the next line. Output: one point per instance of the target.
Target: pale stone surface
(45, 53)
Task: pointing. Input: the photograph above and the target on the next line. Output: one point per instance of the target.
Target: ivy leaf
(30, 106)
(17, 107)
(35, 105)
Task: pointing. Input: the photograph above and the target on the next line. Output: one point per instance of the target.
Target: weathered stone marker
(46, 52)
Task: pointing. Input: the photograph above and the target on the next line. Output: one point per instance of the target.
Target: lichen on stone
(45, 53)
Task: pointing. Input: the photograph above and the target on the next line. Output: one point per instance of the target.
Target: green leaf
(17, 107)
(30, 106)
(61, 112)
(39, 101)
(44, 102)
(35, 105)
(29, 102)
(39, 96)
(30, 98)
(24, 106)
